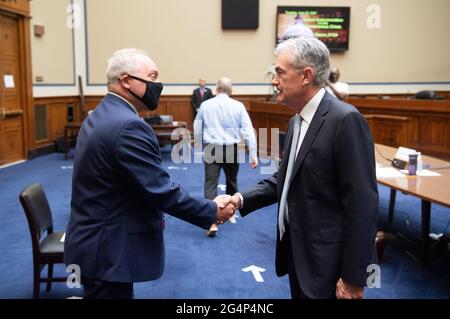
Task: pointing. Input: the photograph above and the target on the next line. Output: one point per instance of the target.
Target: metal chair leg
(36, 281)
(50, 275)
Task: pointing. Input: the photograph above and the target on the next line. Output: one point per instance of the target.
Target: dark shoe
(212, 231)
(380, 243)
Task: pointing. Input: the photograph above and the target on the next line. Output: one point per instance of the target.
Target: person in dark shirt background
(200, 94)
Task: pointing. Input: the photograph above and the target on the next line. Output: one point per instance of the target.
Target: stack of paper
(423, 172)
(388, 172)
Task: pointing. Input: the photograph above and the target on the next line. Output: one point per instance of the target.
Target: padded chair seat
(52, 244)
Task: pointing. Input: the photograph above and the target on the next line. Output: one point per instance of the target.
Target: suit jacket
(196, 98)
(332, 201)
(119, 193)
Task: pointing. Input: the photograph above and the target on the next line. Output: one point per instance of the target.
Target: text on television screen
(329, 24)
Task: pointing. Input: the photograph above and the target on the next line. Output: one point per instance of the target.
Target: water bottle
(412, 164)
(419, 162)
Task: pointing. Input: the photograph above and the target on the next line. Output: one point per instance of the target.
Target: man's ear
(124, 80)
(308, 75)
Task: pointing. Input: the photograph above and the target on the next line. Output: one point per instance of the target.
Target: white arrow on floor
(256, 272)
(176, 168)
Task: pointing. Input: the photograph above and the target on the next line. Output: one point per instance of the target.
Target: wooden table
(164, 131)
(430, 189)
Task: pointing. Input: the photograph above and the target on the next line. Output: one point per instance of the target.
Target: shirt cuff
(241, 200)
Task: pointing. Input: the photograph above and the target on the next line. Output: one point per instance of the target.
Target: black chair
(425, 95)
(428, 95)
(47, 250)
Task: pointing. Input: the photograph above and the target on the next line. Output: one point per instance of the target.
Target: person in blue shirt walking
(219, 124)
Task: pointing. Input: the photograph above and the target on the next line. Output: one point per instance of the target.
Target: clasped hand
(347, 291)
(226, 207)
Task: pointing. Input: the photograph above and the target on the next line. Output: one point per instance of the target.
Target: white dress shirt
(340, 87)
(221, 121)
(307, 115)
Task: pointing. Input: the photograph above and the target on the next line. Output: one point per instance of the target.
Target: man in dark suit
(120, 189)
(325, 187)
(200, 94)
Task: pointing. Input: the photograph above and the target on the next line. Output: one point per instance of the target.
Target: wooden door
(12, 106)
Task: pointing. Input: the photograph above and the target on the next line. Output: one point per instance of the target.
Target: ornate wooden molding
(16, 6)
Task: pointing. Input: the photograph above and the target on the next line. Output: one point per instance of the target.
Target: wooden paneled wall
(420, 124)
(56, 110)
(179, 106)
(53, 116)
(443, 94)
(268, 116)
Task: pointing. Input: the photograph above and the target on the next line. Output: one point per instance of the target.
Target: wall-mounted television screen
(329, 24)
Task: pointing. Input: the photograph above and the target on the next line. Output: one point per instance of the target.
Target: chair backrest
(37, 210)
(425, 95)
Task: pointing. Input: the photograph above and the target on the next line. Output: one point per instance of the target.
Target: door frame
(21, 13)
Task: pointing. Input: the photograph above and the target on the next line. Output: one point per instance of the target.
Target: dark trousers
(99, 289)
(230, 167)
(296, 291)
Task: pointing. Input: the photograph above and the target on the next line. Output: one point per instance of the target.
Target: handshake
(226, 207)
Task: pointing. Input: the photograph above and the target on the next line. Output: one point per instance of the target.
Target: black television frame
(240, 14)
(280, 9)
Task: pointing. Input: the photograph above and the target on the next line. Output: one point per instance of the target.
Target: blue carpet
(202, 267)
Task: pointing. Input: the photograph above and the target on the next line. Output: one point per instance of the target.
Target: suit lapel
(311, 134)
(206, 93)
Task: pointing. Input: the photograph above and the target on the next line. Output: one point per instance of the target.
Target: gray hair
(224, 86)
(308, 52)
(125, 61)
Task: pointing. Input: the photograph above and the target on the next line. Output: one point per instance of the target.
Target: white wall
(409, 52)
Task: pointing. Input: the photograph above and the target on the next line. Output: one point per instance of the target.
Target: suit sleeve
(139, 160)
(262, 195)
(355, 165)
(194, 101)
